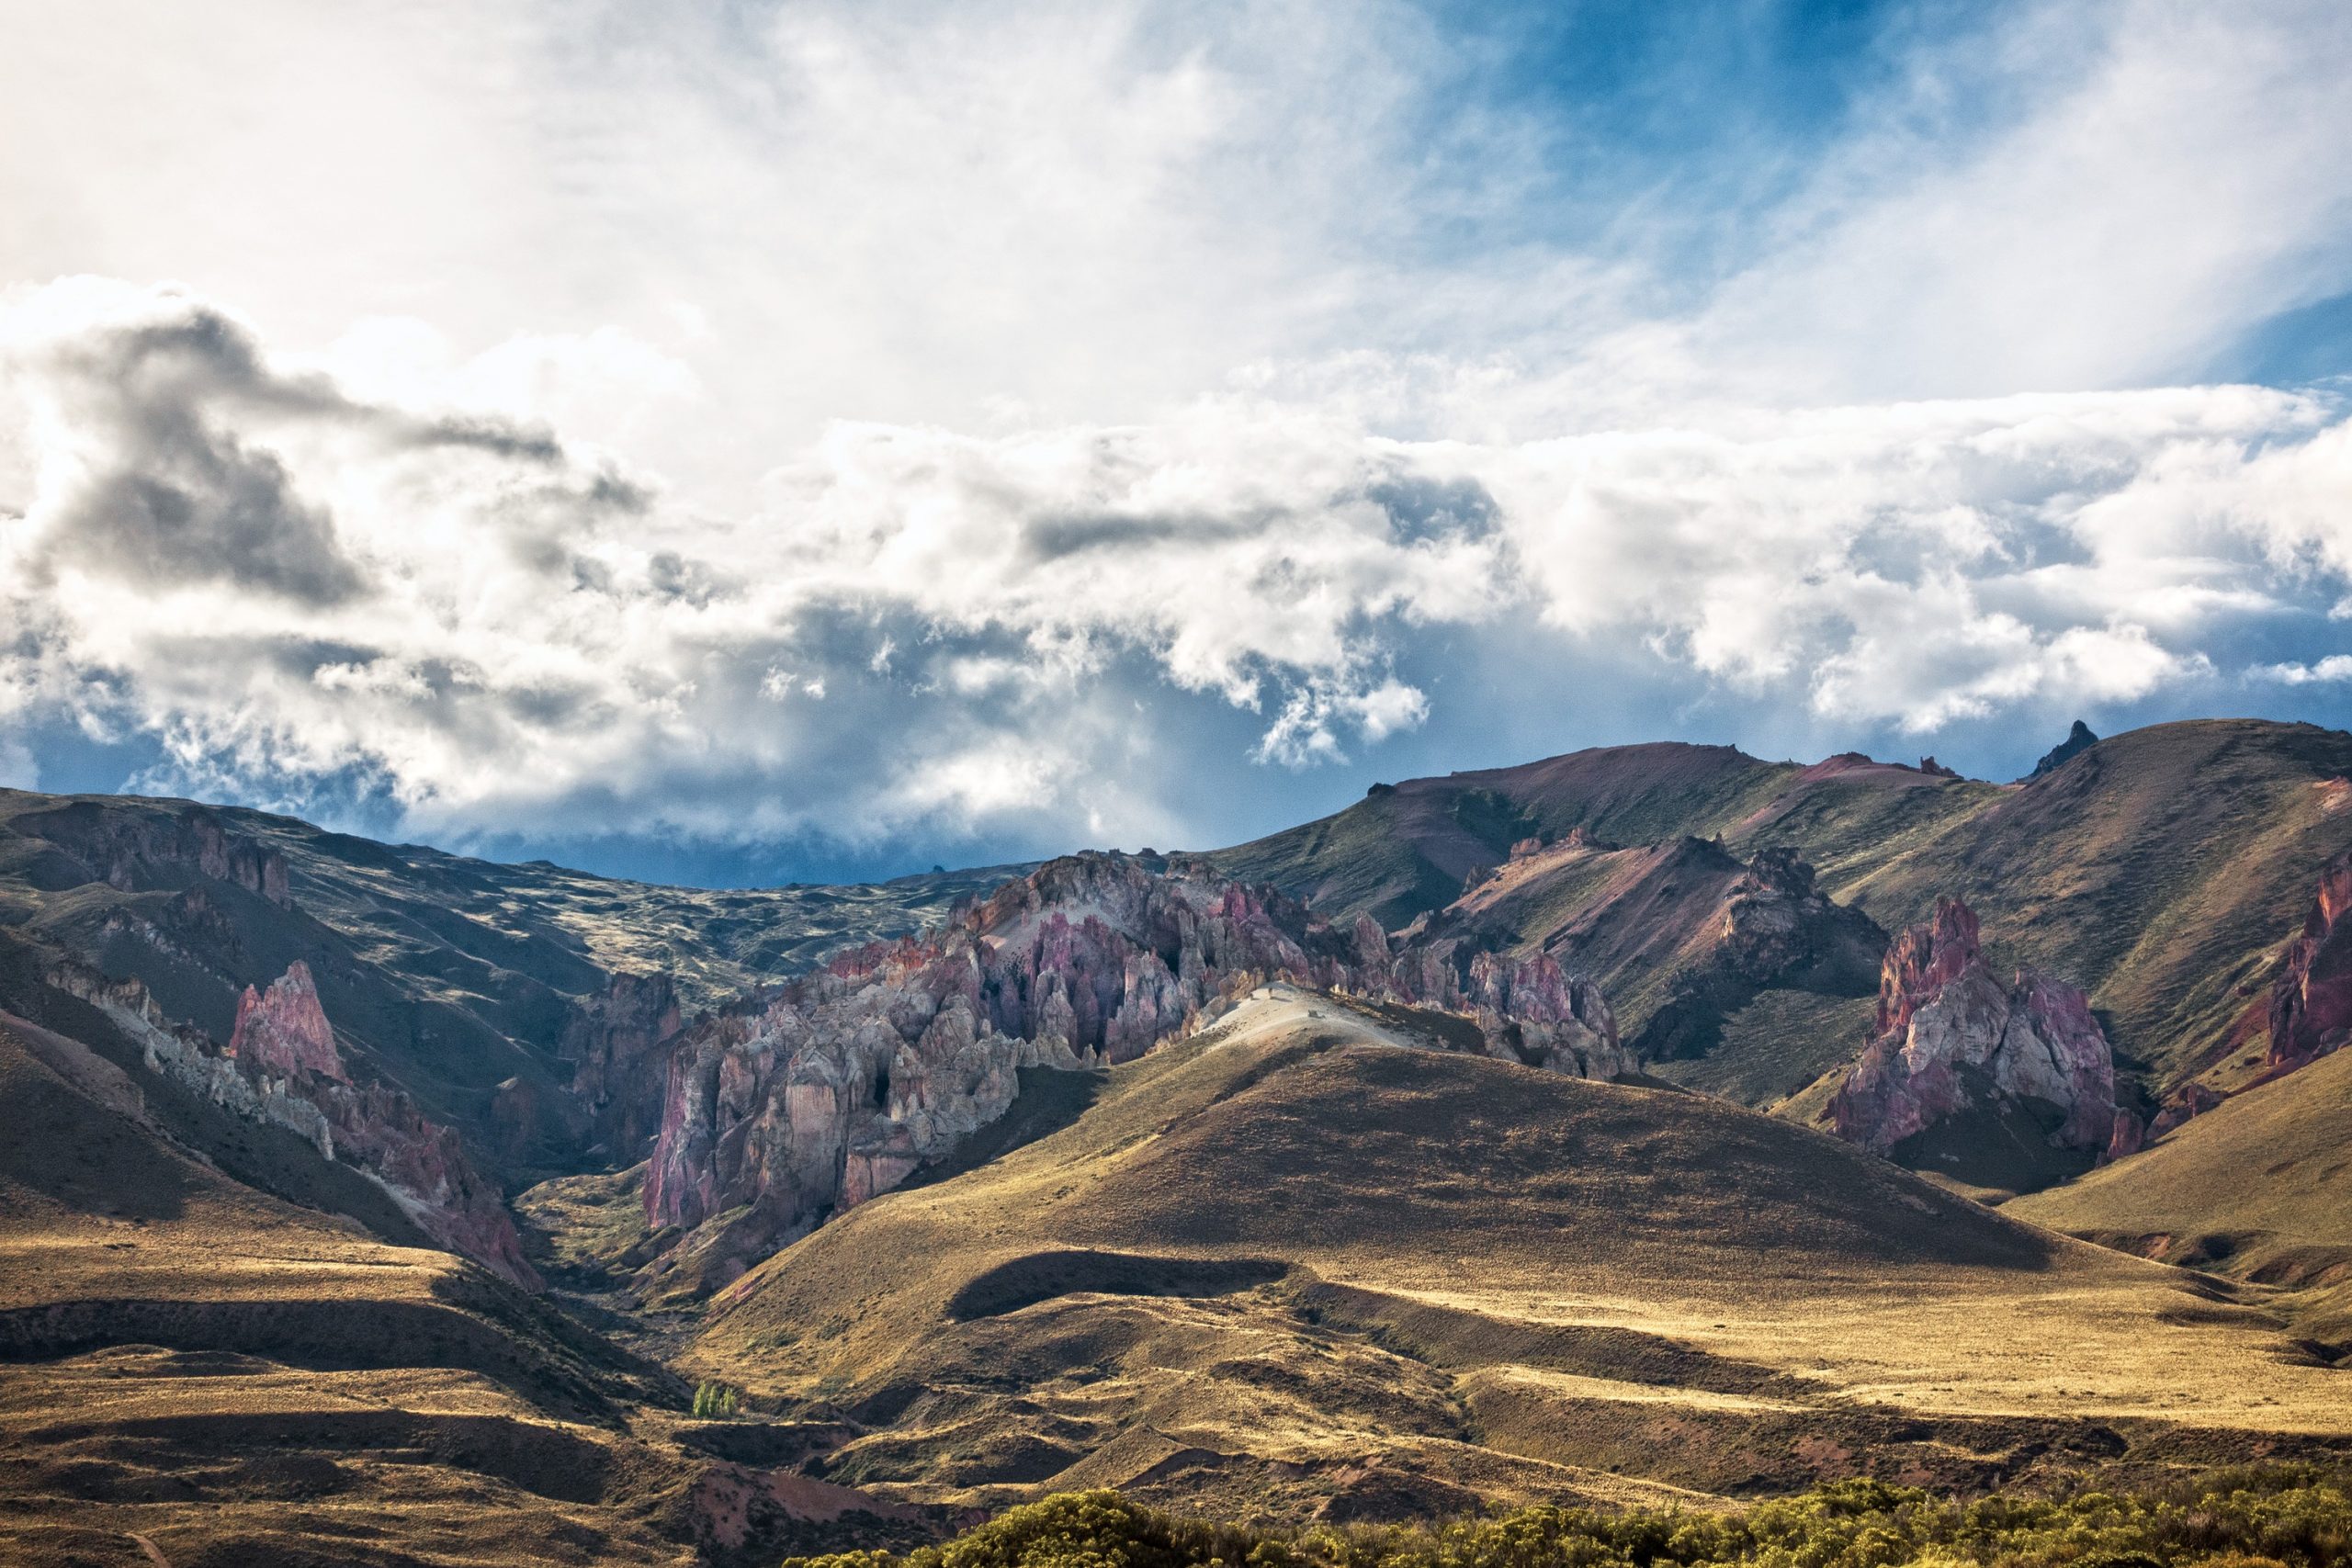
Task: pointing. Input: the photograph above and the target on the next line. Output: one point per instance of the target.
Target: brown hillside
(1288, 1265)
(2260, 1187)
(2161, 868)
(236, 1380)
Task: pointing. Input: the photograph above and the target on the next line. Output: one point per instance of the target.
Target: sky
(742, 442)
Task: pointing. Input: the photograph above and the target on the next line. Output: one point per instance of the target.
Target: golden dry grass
(239, 1383)
(2258, 1188)
(1285, 1267)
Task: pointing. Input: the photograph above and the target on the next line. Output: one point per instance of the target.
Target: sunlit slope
(1406, 848)
(1287, 1265)
(2160, 869)
(2261, 1185)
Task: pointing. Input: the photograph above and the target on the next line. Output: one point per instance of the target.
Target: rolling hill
(1291, 1262)
(2160, 870)
(1288, 1268)
(2260, 1188)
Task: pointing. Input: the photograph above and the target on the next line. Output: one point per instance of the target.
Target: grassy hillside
(1407, 848)
(2260, 1187)
(2160, 870)
(187, 1362)
(1288, 1266)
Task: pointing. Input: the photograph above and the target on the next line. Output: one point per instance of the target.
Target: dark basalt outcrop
(837, 1086)
(1950, 1038)
(1774, 928)
(2078, 740)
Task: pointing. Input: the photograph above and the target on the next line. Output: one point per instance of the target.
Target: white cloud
(497, 629)
(2335, 667)
(836, 417)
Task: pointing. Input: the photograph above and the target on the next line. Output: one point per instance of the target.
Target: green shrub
(714, 1401)
(2271, 1516)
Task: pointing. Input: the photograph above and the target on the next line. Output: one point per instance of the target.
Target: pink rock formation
(1949, 1036)
(2311, 1002)
(284, 1043)
(381, 1130)
(838, 1087)
(285, 1029)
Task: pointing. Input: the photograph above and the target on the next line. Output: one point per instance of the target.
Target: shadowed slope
(243, 1382)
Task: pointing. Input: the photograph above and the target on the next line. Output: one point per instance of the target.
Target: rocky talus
(840, 1085)
(1949, 1037)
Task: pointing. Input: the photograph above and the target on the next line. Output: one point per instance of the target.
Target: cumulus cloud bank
(952, 427)
(491, 626)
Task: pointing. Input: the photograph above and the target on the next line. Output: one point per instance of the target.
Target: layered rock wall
(2310, 1002)
(281, 1066)
(841, 1084)
(1949, 1038)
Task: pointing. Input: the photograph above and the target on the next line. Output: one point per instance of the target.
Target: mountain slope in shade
(238, 1380)
(1289, 1266)
(490, 1025)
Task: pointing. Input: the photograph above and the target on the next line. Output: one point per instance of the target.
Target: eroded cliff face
(2310, 1002)
(281, 1066)
(1949, 1037)
(614, 1041)
(842, 1084)
(134, 854)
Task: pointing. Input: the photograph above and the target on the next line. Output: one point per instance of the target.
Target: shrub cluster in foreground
(2279, 1516)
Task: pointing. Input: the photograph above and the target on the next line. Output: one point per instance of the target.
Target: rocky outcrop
(1777, 925)
(842, 1084)
(2311, 1000)
(2078, 740)
(282, 1067)
(285, 1029)
(614, 1043)
(1772, 930)
(134, 852)
(423, 1165)
(1949, 1038)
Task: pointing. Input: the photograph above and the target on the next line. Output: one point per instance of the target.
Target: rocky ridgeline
(143, 851)
(284, 1042)
(281, 1067)
(838, 1086)
(1949, 1037)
